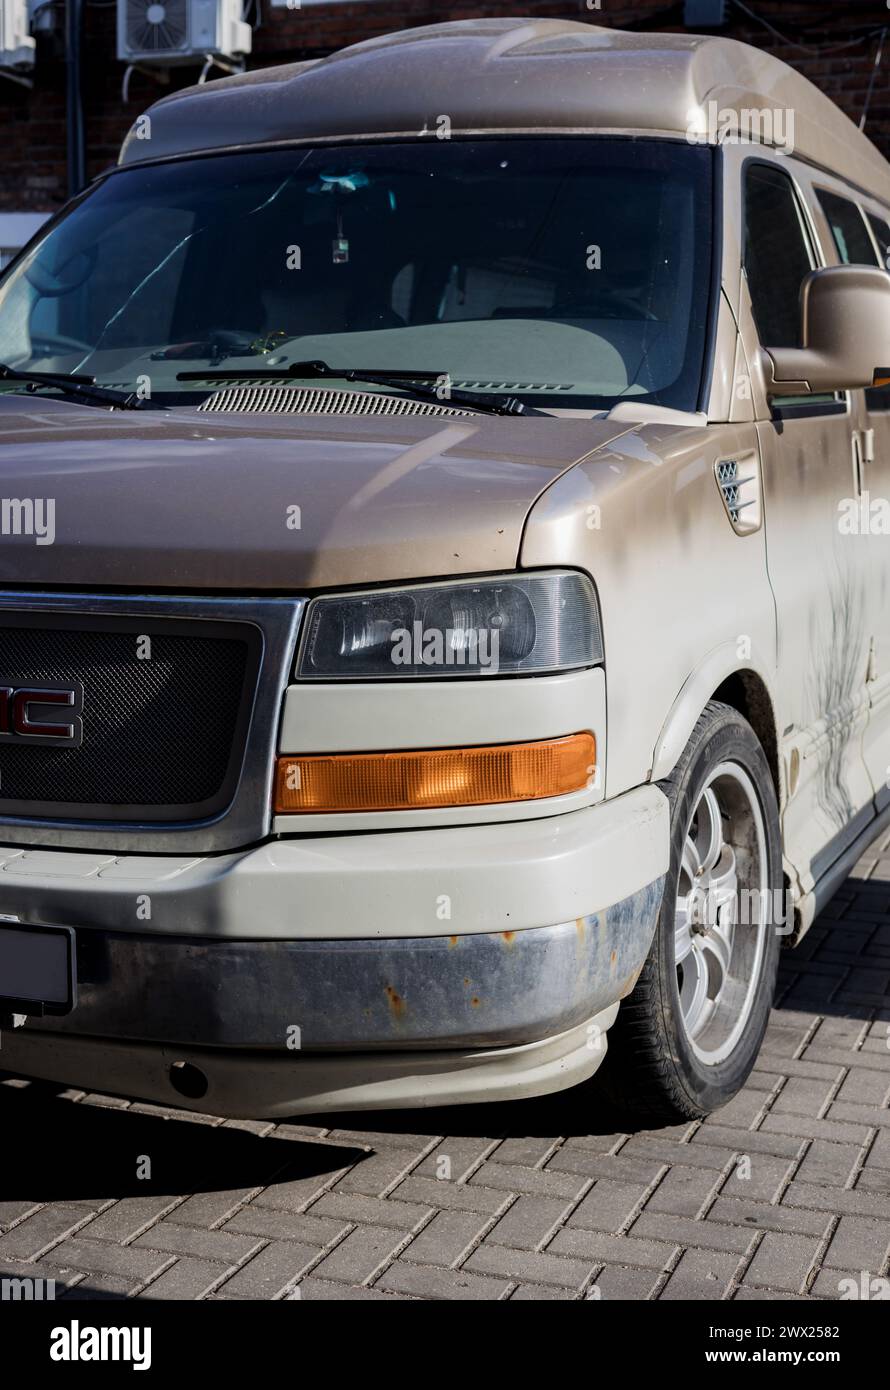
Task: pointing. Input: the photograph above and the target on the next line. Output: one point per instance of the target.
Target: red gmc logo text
(42, 714)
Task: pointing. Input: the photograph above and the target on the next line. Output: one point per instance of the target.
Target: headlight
(507, 625)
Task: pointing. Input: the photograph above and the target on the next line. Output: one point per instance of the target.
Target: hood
(177, 499)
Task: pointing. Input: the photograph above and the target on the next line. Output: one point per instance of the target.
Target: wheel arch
(744, 686)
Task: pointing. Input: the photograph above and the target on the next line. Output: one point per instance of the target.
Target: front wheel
(686, 1039)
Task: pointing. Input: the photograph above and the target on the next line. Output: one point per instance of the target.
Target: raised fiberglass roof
(510, 75)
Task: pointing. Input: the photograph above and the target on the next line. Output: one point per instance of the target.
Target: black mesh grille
(156, 732)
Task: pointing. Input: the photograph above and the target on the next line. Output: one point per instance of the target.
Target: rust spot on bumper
(509, 937)
(398, 1005)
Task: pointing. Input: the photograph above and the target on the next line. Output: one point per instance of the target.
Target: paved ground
(782, 1194)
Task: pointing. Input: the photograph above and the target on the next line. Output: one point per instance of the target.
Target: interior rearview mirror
(845, 331)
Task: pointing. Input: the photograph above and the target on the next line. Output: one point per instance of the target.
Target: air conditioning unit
(16, 45)
(170, 32)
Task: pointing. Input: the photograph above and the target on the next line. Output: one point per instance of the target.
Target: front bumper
(406, 992)
(424, 954)
(261, 1085)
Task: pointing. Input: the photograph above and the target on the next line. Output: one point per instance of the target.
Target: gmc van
(445, 576)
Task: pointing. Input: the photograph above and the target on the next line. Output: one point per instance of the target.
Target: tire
(675, 1052)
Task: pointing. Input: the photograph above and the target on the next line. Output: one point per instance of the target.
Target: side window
(882, 236)
(878, 397)
(848, 228)
(854, 246)
(777, 254)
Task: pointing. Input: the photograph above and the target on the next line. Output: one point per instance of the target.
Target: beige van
(480, 643)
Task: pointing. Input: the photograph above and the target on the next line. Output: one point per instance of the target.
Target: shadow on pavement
(54, 1150)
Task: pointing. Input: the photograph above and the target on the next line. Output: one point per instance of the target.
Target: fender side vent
(739, 484)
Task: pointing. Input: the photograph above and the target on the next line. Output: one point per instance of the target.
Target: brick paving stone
(95, 1288)
(101, 1257)
(424, 1281)
(827, 1283)
(379, 1139)
(281, 1225)
(827, 1162)
(873, 1180)
(293, 1194)
(226, 1246)
(373, 1175)
(851, 1203)
(513, 1178)
(539, 1267)
(530, 1151)
(627, 1250)
(311, 1290)
(26, 1269)
(458, 1196)
(758, 1216)
(782, 1261)
(617, 1281)
(799, 1066)
(130, 1217)
(600, 1143)
(706, 1235)
(360, 1254)
(588, 1163)
(539, 1293)
(14, 1211)
(864, 1088)
(745, 1295)
(742, 1111)
(809, 1128)
(40, 1231)
(188, 1278)
(461, 1154)
(621, 1167)
(701, 1274)
(879, 1153)
(210, 1208)
(607, 1206)
(802, 1096)
(528, 1222)
(748, 1141)
(762, 1179)
(682, 1191)
(873, 1116)
(338, 1207)
(448, 1236)
(267, 1274)
(858, 1243)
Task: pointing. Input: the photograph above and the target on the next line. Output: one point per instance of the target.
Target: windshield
(571, 272)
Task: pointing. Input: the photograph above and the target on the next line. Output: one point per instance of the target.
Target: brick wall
(32, 123)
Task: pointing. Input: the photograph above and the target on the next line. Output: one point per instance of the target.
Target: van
(473, 664)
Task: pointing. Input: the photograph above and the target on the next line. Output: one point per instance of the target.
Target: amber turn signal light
(435, 777)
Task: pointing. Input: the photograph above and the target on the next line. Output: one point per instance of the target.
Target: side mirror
(845, 330)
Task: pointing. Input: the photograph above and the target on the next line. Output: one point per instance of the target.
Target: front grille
(164, 719)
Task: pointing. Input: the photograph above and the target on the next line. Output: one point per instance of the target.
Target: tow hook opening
(189, 1081)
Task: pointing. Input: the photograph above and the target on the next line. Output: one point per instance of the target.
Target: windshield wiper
(414, 382)
(80, 388)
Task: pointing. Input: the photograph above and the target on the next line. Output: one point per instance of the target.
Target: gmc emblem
(44, 714)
